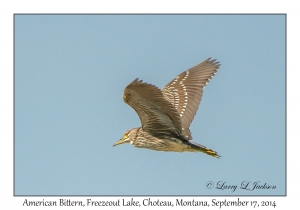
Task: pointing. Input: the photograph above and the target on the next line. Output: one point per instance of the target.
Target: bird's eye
(126, 135)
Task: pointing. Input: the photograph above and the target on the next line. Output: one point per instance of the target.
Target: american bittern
(166, 114)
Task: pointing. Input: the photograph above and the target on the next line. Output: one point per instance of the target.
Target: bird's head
(127, 137)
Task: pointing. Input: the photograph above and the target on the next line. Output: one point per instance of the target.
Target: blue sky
(70, 72)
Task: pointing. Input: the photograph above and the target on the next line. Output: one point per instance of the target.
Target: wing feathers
(187, 88)
(158, 116)
(172, 109)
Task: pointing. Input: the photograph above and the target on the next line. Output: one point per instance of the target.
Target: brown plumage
(167, 114)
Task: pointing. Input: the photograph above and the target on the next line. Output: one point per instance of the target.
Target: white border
(8, 8)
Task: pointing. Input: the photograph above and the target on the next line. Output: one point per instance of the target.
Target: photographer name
(245, 185)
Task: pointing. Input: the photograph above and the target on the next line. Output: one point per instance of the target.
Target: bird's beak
(121, 141)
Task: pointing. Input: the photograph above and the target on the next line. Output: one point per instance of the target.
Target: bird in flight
(167, 114)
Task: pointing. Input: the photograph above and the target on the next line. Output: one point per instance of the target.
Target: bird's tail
(200, 148)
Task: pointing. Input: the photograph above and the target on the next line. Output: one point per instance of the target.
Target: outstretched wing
(158, 116)
(185, 91)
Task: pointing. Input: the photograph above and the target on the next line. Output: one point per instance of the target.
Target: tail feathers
(201, 148)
